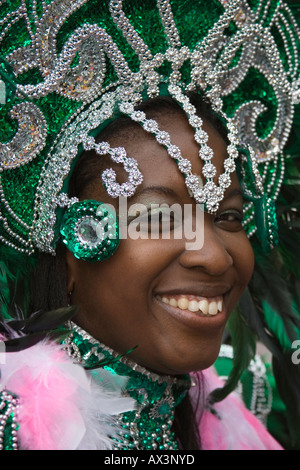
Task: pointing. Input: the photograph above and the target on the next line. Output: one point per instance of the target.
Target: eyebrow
(166, 191)
(234, 192)
(155, 189)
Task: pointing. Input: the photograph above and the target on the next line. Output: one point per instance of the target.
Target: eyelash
(230, 216)
(230, 219)
(147, 217)
(160, 213)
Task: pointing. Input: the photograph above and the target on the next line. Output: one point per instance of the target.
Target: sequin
(8, 421)
(66, 54)
(90, 230)
(149, 427)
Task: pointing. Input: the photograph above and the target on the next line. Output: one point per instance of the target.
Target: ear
(72, 266)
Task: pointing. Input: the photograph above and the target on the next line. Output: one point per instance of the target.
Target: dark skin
(120, 299)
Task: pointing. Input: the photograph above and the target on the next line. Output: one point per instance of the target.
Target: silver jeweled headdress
(68, 67)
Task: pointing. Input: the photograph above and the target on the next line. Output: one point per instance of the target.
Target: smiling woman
(162, 305)
(130, 249)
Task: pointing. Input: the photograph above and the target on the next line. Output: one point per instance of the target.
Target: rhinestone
(201, 136)
(206, 153)
(109, 176)
(184, 165)
(113, 190)
(163, 138)
(130, 164)
(224, 180)
(174, 151)
(209, 170)
(200, 196)
(90, 232)
(118, 154)
(212, 205)
(150, 125)
(127, 189)
(102, 148)
(229, 164)
(192, 181)
(138, 116)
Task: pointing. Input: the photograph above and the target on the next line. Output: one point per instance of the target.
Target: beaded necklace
(149, 426)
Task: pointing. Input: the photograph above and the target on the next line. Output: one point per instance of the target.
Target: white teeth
(173, 302)
(204, 306)
(183, 303)
(213, 308)
(193, 306)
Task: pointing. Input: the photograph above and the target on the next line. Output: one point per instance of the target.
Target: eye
(156, 220)
(160, 219)
(231, 220)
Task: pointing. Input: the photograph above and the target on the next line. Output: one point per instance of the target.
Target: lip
(199, 290)
(196, 321)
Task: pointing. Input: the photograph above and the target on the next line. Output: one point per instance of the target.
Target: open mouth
(208, 306)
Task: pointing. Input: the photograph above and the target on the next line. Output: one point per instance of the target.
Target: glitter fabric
(90, 230)
(8, 424)
(149, 426)
(64, 55)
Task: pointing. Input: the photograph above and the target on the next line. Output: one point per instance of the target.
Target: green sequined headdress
(59, 58)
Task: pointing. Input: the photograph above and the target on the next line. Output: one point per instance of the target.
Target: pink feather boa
(232, 427)
(61, 407)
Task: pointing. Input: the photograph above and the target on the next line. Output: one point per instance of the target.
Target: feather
(275, 299)
(287, 375)
(15, 269)
(4, 291)
(44, 321)
(24, 333)
(230, 426)
(100, 410)
(243, 342)
(278, 327)
(255, 321)
(62, 407)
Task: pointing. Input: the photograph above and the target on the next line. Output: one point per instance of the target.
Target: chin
(186, 364)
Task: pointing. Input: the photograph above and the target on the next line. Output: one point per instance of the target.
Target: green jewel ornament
(90, 230)
(150, 425)
(265, 217)
(266, 221)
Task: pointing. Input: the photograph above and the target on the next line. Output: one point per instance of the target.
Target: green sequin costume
(149, 426)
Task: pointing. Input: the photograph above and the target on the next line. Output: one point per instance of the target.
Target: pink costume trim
(233, 427)
(61, 407)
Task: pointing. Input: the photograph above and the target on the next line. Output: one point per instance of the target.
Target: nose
(213, 257)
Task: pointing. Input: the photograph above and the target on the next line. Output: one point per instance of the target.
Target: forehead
(153, 159)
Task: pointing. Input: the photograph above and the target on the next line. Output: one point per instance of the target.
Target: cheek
(129, 275)
(139, 266)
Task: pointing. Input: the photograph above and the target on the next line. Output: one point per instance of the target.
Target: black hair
(49, 280)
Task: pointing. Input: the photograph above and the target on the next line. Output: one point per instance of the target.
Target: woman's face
(146, 294)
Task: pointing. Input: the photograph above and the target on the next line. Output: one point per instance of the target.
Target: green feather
(244, 344)
(15, 269)
(4, 291)
(278, 328)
